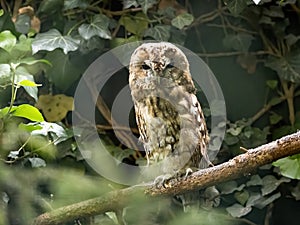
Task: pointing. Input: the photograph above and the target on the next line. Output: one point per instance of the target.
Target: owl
(169, 117)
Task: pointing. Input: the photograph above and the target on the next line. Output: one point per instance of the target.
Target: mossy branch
(239, 166)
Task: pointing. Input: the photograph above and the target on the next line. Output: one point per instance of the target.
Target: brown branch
(239, 166)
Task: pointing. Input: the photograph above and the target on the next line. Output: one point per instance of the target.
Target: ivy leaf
(64, 73)
(238, 210)
(53, 39)
(7, 40)
(159, 32)
(128, 3)
(289, 166)
(97, 27)
(29, 127)
(230, 187)
(135, 24)
(291, 39)
(29, 112)
(23, 75)
(254, 181)
(270, 184)
(236, 6)
(72, 4)
(272, 84)
(264, 201)
(37, 162)
(274, 118)
(239, 42)
(182, 20)
(288, 67)
(4, 73)
(23, 23)
(146, 4)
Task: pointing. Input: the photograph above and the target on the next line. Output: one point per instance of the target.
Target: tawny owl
(169, 117)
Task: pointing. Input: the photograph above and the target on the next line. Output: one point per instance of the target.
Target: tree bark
(241, 165)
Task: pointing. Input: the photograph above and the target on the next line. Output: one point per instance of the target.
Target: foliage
(45, 47)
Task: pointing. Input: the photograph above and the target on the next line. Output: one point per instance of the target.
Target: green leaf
(37, 162)
(29, 112)
(52, 40)
(182, 20)
(146, 4)
(23, 75)
(275, 118)
(275, 101)
(242, 196)
(29, 127)
(272, 83)
(265, 201)
(254, 181)
(239, 42)
(296, 192)
(287, 67)
(289, 166)
(291, 39)
(72, 4)
(238, 210)
(31, 61)
(50, 6)
(7, 40)
(270, 184)
(159, 32)
(5, 74)
(230, 139)
(236, 6)
(64, 73)
(57, 132)
(97, 27)
(230, 187)
(135, 24)
(128, 3)
(23, 23)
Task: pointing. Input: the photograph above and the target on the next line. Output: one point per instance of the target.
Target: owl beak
(158, 66)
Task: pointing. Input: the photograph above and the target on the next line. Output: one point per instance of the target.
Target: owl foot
(162, 180)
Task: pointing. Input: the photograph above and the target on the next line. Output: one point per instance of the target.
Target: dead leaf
(55, 107)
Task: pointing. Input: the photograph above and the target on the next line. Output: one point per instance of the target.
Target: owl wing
(141, 123)
(201, 131)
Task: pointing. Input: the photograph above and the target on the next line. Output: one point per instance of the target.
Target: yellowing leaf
(55, 107)
(28, 83)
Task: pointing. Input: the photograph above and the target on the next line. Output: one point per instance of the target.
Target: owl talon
(161, 180)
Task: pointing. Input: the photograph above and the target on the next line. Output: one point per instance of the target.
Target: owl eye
(146, 67)
(169, 66)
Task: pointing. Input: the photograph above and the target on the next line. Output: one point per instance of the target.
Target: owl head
(160, 60)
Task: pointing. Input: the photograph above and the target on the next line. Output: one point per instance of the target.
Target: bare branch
(241, 165)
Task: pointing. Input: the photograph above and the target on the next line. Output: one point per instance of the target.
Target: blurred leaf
(238, 42)
(50, 6)
(182, 20)
(230, 139)
(275, 118)
(64, 73)
(7, 40)
(274, 11)
(238, 210)
(135, 24)
(217, 108)
(97, 27)
(272, 83)
(265, 201)
(57, 132)
(287, 67)
(254, 181)
(242, 196)
(128, 3)
(146, 4)
(30, 126)
(28, 83)
(289, 166)
(29, 112)
(5, 75)
(37, 162)
(23, 23)
(121, 41)
(230, 187)
(282, 131)
(248, 62)
(52, 40)
(291, 39)
(23, 75)
(270, 184)
(55, 107)
(275, 101)
(159, 32)
(236, 6)
(296, 192)
(72, 4)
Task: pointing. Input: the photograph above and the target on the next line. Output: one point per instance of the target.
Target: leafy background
(45, 47)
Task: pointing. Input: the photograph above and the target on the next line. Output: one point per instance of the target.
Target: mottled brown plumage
(169, 117)
(168, 114)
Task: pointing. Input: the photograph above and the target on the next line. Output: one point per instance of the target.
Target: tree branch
(241, 165)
